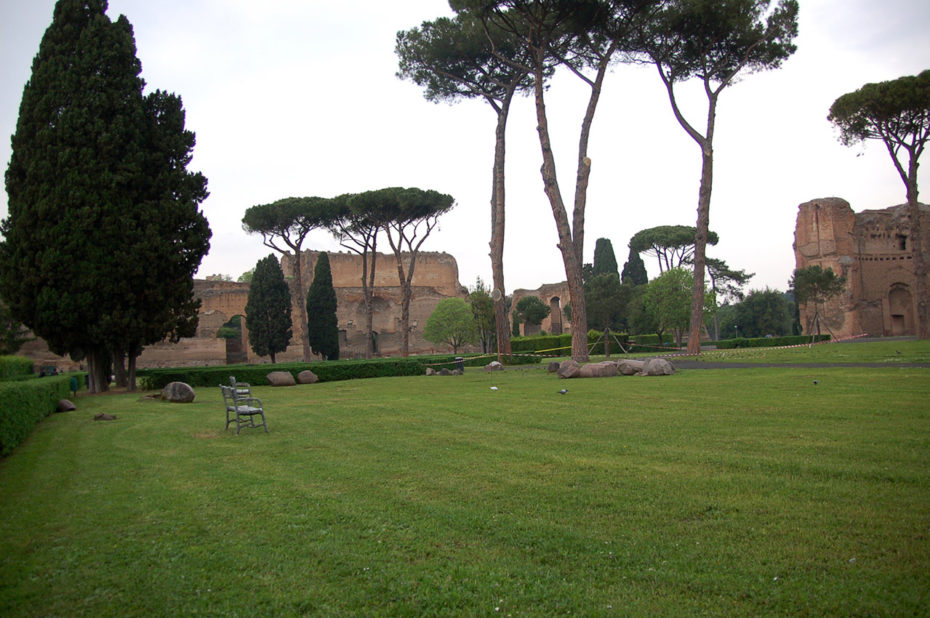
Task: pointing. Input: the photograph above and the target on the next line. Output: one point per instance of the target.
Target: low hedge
(326, 371)
(25, 403)
(561, 345)
(14, 367)
(769, 342)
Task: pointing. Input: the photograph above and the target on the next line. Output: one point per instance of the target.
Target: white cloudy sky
(299, 97)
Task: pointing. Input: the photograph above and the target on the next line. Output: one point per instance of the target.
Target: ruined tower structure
(872, 249)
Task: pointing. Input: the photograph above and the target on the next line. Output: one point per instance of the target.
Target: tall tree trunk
(368, 291)
(920, 266)
(700, 248)
(497, 225)
(571, 239)
(98, 370)
(119, 367)
(134, 353)
(703, 224)
(301, 306)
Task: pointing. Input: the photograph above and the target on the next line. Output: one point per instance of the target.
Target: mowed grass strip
(725, 492)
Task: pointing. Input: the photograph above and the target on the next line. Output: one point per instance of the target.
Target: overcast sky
(299, 97)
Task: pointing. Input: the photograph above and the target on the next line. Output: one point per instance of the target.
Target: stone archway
(900, 311)
(555, 315)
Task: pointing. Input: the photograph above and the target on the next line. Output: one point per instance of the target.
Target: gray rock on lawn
(554, 366)
(307, 377)
(494, 366)
(178, 392)
(281, 378)
(658, 367)
(569, 369)
(631, 367)
(430, 371)
(65, 405)
(606, 369)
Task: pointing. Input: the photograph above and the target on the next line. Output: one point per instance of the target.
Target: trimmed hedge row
(326, 371)
(769, 342)
(14, 367)
(561, 345)
(25, 403)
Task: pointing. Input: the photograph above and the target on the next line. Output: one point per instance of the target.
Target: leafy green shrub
(545, 344)
(14, 367)
(326, 371)
(23, 404)
(256, 375)
(769, 342)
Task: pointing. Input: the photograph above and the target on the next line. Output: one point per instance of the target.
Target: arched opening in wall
(233, 332)
(555, 313)
(900, 307)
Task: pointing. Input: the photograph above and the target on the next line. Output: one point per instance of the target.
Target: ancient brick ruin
(872, 249)
(436, 277)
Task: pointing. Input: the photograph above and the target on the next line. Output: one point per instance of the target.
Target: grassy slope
(726, 492)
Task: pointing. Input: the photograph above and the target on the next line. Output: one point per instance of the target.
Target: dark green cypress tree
(103, 216)
(604, 259)
(268, 309)
(634, 271)
(322, 323)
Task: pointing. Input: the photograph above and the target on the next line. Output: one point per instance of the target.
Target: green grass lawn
(721, 492)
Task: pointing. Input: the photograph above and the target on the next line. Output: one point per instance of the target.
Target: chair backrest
(229, 397)
(240, 389)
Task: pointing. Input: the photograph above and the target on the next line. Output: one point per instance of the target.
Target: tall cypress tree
(604, 259)
(634, 271)
(268, 309)
(103, 233)
(322, 323)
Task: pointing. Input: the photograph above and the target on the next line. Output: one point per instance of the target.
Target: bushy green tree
(12, 333)
(763, 312)
(268, 309)
(896, 112)
(453, 323)
(104, 233)
(634, 271)
(812, 287)
(607, 301)
(605, 262)
(668, 299)
(284, 225)
(532, 310)
(712, 42)
(482, 306)
(323, 325)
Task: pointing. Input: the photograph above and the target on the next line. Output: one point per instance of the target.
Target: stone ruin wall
(556, 296)
(435, 278)
(872, 250)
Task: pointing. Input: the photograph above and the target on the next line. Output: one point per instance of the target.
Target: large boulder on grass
(494, 366)
(177, 392)
(629, 367)
(554, 366)
(65, 405)
(658, 367)
(569, 369)
(281, 378)
(307, 377)
(598, 370)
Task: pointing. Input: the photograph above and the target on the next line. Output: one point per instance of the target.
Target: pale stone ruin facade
(436, 277)
(557, 297)
(872, 249)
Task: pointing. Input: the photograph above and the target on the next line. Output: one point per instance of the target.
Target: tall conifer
(103, 233)
(268, 309)
(322, 323)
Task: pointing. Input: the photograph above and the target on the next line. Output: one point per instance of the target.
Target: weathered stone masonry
(872, 249)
